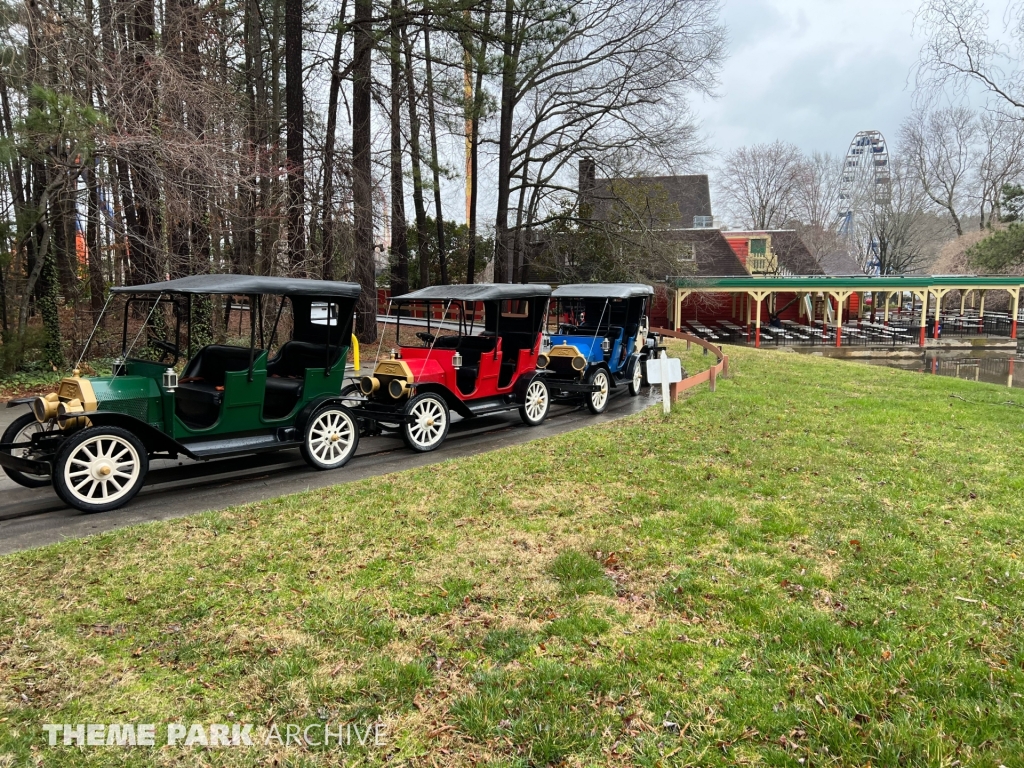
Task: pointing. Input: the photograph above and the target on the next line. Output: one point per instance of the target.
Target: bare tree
(898, 224)
(938, 147)
(998, 160)
(762, 183)
(589, 78)
(960, 53)
(817, 203)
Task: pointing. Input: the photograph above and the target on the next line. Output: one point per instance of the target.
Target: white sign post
(666, 371)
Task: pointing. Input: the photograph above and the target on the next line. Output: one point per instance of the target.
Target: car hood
(424, 369)
(588, 346)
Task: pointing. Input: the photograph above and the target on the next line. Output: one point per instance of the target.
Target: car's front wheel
(427, 425)
(21, 431)
(100, 468)
(536, 403)
(598, 401)
(331, 438)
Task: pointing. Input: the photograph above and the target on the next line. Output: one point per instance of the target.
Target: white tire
(598, 401)
(536, 403)
(428, 424)
(331, 439)
(637, 381)
(100, 469)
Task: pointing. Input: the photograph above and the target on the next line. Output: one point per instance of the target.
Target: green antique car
(93, 438)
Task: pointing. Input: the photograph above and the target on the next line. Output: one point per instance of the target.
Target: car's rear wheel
(100, 468)
(21, 431)
(536, 403)
(637, 382)
(331, 438)
(427, 426)
(598, 401)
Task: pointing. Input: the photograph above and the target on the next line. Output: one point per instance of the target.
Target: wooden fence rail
(721, 368)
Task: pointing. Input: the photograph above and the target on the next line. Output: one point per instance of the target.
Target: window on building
(703, 222)
(687, 253)
(757, 248)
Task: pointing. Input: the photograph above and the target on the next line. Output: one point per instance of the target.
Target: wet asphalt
(35, 517)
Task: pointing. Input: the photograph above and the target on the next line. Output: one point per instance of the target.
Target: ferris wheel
(865, 185)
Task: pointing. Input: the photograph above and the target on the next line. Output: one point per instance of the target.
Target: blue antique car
(598, 339)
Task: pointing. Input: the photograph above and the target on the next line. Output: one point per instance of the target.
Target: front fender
(524, 382)
(452, 400)
(152, 438)
(631, 364)
(303, 417)
(20, 401)
(591, 369)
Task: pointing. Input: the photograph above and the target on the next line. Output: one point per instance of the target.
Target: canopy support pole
(840, 297)
(938, 311)
(1016, 309)
(924, 312)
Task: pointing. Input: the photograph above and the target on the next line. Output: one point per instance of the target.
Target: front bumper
(569, 386)
(21, 464)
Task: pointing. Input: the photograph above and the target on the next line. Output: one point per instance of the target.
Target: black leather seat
(465, 378)
(511, 344)
(286, 374)
(198, 402)
(295, 357)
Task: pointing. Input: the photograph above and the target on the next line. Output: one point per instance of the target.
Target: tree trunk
(327, 208)
(92, 241)
(295, 118)
(415, 150)
(62, 211)
(362, 192)
(399, 231)
(502, 251)
(478, 105)
(145, 236)
(435, 163)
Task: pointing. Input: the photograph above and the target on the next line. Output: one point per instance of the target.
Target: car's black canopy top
(477, 292)
(246, 284)
(602, 291)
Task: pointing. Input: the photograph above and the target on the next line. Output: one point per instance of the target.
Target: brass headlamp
(45, 408)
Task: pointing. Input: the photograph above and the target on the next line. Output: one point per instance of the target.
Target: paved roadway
(31, 518)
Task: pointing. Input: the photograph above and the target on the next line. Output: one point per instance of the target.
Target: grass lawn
(818, 565)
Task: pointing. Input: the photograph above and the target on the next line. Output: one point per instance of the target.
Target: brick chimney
(587, 183)
(588, 176)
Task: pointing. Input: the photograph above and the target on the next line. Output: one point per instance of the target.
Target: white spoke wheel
(536, 403)
(637, 381)
(331, 438)
(21, 431)
(427, 425)
(100, 468)
(598, 401)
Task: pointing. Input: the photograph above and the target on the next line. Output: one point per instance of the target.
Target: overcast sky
(813, 72)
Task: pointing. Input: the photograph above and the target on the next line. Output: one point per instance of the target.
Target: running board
(489, 406)
(255, 443)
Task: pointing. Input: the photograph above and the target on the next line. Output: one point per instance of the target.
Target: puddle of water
(994, 369)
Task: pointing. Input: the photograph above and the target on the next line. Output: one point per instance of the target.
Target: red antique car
(475, 353)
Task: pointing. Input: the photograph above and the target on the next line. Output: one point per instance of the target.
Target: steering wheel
(426, 338)
(165, 346)
(566, 329)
